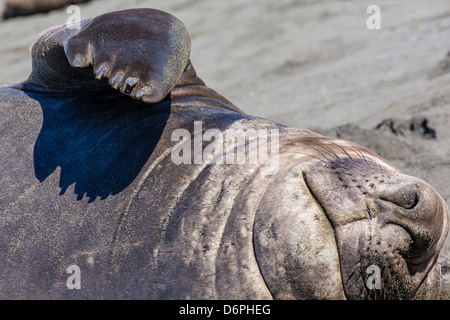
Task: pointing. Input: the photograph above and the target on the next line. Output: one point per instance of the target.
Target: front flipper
(142, 53)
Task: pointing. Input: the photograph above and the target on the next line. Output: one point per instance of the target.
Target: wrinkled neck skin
(191, 90)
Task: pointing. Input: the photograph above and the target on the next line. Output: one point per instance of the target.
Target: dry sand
(312, 64)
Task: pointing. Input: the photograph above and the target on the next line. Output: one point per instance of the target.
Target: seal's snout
(406, 197)
(413, 205)
(382, 219)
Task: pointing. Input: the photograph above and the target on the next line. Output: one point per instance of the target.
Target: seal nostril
(406, 199)
(412, 204)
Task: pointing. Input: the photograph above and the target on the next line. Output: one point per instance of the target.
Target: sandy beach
(311, 64)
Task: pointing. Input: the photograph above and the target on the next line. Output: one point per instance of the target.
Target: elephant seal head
(342, 223)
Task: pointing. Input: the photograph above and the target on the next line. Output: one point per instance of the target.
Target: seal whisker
(345, 151)
(330, 151)
(328, 159)
(309, 155)
(323, 155)
(361, 155)
(376, 161)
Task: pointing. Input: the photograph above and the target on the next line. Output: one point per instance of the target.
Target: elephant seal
(89, 183)
(14, 8)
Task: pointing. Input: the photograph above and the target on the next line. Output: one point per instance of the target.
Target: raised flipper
(142, 53)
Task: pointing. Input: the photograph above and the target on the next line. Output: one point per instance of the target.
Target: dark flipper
(142, 53)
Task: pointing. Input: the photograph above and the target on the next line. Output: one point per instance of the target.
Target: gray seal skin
(14, 8)
(87, 179)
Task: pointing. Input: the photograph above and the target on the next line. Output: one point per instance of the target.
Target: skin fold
(88, 179)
